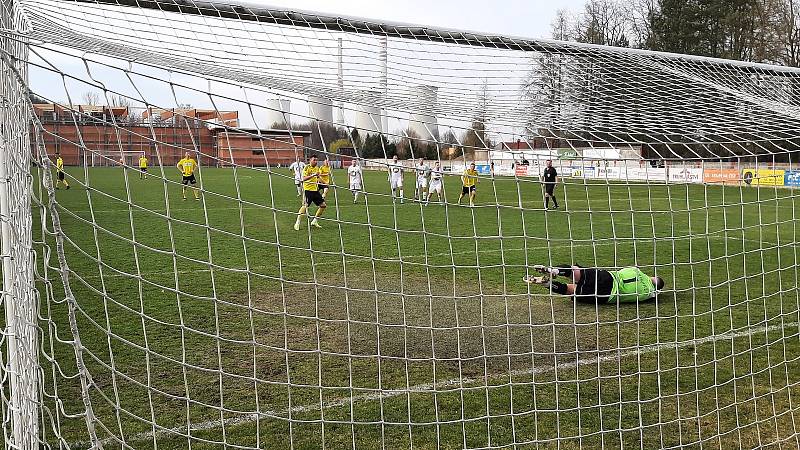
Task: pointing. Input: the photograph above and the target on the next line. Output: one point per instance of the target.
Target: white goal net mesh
(163, 291)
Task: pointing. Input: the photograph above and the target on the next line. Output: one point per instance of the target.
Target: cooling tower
(320, 108)
(278, 112)
(423, 121)
(369, 119)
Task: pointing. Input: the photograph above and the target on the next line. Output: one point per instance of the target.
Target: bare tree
(640, 15)
(787, 23)
(323, 134)
(476, 137)
(604, 22)
(119, 101)
(749, 30)
(408, 146)
(563, 25)
(90, 98)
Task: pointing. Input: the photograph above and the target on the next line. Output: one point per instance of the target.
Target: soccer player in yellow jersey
(325, 177)
(187, 166)
(60, 173)
(312, 195)
(468, 180)
(142, 167)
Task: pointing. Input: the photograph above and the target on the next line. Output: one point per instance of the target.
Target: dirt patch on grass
(466, 327)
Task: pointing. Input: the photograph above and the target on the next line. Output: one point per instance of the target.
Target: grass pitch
(400, 325)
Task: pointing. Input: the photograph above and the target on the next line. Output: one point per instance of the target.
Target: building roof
(44, 106)
(262, 131)
(515, 145)
(117, 111)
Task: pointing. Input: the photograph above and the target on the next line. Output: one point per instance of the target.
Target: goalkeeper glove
(530, 279)
(551, 271)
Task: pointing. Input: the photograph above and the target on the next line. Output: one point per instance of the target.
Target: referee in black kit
(549, 179)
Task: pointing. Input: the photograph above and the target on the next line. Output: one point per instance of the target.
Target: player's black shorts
(322, 187)
(467, 189)
(595, 286)
(314, 197)
(549, 188)
(60, 176)
(143, 169)
(189, 180)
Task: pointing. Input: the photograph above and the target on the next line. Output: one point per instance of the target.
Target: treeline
(405, 144)
(764, 31)
(735, 113)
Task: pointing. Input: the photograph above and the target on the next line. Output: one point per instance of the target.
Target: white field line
(393, 260)
(453, 383)
(348, 205)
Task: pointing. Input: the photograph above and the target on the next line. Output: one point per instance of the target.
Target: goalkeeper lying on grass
(590, 285)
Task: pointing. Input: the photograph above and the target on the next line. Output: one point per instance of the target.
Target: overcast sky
(523, 18)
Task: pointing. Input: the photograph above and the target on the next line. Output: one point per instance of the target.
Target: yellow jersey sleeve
(310, 184)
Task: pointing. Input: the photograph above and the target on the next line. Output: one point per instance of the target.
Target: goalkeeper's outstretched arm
(550, 273)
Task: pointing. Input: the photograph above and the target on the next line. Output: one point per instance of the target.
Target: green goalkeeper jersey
(631, 285)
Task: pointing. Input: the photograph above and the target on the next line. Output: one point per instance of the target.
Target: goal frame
(20, 300)
(111, 158)
(20, 364)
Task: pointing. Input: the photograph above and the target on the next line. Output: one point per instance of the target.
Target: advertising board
(643, 174)
(685, 175)
(763, 177)
(608, 173)
(791, 178)
(721, 176)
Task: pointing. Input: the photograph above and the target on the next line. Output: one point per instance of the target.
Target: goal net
(195, 307)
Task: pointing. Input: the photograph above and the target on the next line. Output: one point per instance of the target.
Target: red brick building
(100, 136)
(252, 147)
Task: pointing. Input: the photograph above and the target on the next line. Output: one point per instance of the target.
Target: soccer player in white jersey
(396, 178)
(437, 174)
(423, 172)
(297, 169)
(356, 179)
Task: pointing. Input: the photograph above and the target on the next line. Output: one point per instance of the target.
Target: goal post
(20, 365)
(113, 158)
(239, 296)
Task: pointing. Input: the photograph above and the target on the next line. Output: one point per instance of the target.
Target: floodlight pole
(19, 367)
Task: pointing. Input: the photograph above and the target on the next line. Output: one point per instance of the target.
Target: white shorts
(355, 186)
(297, 181)
(422, 183)
(436, 186)
(396, 183)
